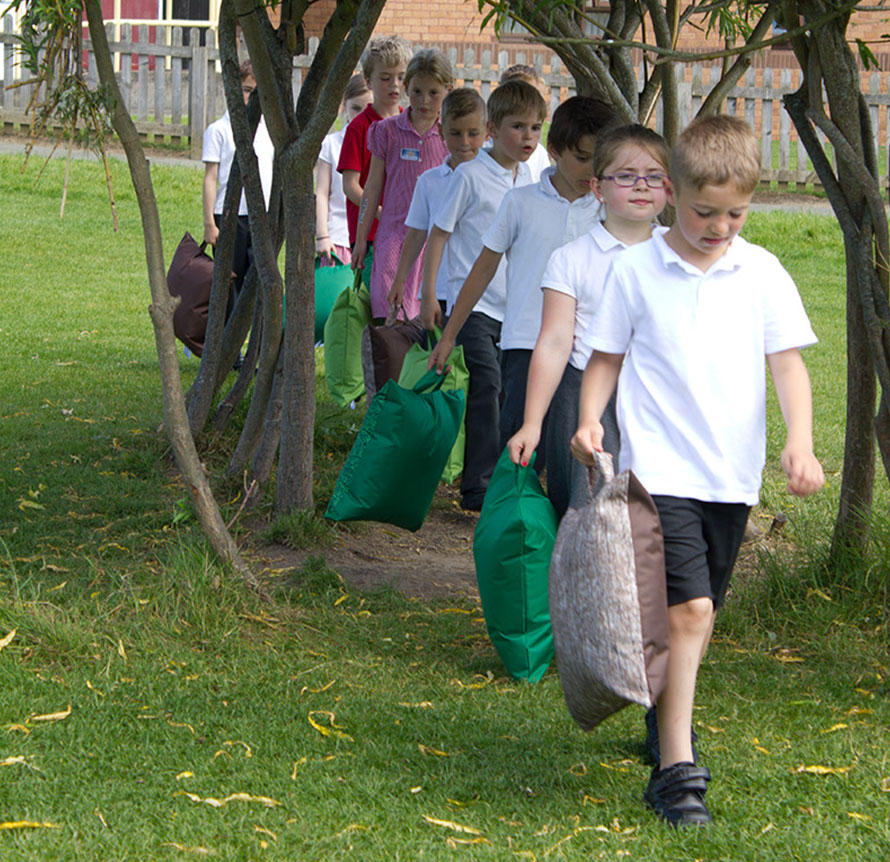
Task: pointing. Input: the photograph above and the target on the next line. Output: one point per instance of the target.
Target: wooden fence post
(198, 78)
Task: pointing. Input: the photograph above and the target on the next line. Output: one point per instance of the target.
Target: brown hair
(460, 102)
(357, 86)
(716, 150)
(515, 97)
(434, 64)
(612, 140)
(385, 51)
(246, 70)
(576, 118)
(519, 71)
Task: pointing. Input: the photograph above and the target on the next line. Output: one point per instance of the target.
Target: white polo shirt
(219, 147)
(579, 270)
(470, 204)
(338, 228)
(531, 224)
(429, 190)
(692, 391)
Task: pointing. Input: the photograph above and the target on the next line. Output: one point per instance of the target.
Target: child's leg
(479, 337)
(514, 378)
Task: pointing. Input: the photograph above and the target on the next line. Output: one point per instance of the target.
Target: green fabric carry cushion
(330, 282)
(393, 470)
(512, 546)
(343, 342)
(457, 378)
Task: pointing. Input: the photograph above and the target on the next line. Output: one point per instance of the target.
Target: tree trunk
(161, 312)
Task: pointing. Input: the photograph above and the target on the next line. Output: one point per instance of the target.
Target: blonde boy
(695, 315)
(383, 65)
(516, 112)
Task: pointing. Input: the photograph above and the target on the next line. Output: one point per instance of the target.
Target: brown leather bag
(190, 277)
(383, 352)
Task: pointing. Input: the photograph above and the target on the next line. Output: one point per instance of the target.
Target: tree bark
(161, 312)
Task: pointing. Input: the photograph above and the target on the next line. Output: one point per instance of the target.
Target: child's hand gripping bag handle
(601, 472)
(318, 259)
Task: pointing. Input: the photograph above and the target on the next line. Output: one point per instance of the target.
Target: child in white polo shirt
(687, 324)
(532, 222)
(516, 112)
(463, 127)
(630, 166)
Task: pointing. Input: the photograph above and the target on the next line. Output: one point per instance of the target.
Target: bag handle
(602, 470)
(357, 280)
(430, 382)
(521, 473)
(334, 257)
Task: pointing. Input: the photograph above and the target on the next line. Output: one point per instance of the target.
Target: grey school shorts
(701, 543)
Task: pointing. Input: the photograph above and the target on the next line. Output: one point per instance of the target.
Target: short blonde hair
(431, 63)
(515, 97)
(716, 150)
(386, 51)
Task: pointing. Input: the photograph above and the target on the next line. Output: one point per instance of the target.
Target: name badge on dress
(409, 154)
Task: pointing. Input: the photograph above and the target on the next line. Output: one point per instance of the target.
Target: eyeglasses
(654, 181)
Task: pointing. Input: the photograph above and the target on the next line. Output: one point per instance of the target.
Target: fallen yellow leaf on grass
(27, 824)
(819, 593)
(185, 774)
(120, 649)
(450, 824)
(823, 770)
(232, 797)
(19, 727)
(182, 847)
(16, 760)
(247, 750)
(454, 842)
(5, 642)
(424, 704)
(425, 749)
(264, 831)
(833, 728)
(52, 716)
(181, 724)
(333, 730)
(300, 762)
(789, 659)
(857, 816)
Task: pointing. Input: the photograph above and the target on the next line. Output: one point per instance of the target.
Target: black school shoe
(677, 794)
(653, 748)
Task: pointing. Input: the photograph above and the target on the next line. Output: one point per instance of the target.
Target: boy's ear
(492, 130)
(553, 152)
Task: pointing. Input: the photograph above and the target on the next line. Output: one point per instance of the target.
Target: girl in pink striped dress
(402, 148)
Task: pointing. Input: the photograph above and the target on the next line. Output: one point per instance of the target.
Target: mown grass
(381, 725)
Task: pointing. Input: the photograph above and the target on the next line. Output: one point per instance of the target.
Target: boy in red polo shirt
(383, 65)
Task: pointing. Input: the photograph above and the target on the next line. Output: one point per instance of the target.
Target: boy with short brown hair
(688, 322)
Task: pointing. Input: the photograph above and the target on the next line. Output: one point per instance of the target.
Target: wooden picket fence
(172, 86)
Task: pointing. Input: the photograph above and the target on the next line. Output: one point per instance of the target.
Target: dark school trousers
(514, 379)
(479, 337)
(567, 483)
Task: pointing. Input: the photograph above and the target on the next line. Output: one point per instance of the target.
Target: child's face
(637, 202)
(356, 105)
(574, 165)
(425, 95)
(517, 135)
(385, 83)
(248, 85)
(463, 137)
(708, 219)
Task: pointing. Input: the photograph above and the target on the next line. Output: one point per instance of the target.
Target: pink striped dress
(406, 155)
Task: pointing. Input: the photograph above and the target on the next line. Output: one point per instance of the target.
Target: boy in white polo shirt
(531, 223)
(516, 112)
(686, 325)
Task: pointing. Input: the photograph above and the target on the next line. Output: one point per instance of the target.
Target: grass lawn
(153, 710)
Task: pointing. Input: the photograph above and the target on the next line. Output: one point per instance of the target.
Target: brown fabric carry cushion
(383, 352)
(608, 599)
(190, 277)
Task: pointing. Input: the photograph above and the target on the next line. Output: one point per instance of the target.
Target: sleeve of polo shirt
(351, 151)
(502, 232)
(785, 321)
(212, 144)
(326, 154)
(455, 203)
(558, 272)
(419, 216)
(611, 328)
(379, 139)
